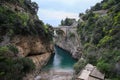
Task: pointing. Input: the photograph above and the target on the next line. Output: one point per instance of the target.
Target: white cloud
(53, 11)
(68, 2)
(47, 14)
(65, 2)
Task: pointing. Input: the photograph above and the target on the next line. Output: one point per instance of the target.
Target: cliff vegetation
(19, 24)
(99, 30)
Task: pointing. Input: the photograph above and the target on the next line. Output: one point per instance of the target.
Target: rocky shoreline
(56, 74)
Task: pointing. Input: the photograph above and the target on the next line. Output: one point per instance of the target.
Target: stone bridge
(65, 30)
(69, 40)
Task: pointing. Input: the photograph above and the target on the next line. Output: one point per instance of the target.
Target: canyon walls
(23, 36)
(67, 38)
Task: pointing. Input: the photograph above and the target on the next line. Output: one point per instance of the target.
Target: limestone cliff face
(20, 26)
(30, 45)
(34, 48)
(40, 60)
(68, 39)
(25, 36)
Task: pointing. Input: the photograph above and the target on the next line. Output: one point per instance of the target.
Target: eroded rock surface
(40, 60)
(33, 48)
(67, 38)
(30, 45)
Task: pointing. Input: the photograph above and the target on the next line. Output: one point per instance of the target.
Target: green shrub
(105, 40)
(46, 28)
(67, 22)
(1, 38)
(24, 17)
(105, 6)
(13, 49)
(100, 37)
(71, 35)
(4, 49)
(15, 69)
(117, 19)
(92, 59)
(103, 66)
(27, 63)
(79, 65)
(11, 66)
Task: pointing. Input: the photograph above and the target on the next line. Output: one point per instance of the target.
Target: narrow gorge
(59, 67)
(79, 48)
(67, 38)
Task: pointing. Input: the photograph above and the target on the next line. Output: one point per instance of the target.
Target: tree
(96, 7)
(32, 5)
(35, 6)
(81, 14)
(79, 65)
(11, 66)
(62, 22)
(67, 22)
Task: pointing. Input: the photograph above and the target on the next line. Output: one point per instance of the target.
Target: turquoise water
(61, 60)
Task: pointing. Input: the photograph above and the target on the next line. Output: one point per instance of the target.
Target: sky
(53, 11)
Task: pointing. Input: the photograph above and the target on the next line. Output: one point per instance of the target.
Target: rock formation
(33, 47)
(68, 39)
(20, 26)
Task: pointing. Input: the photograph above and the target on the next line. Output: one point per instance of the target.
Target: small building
(90, 72)
(101, 12)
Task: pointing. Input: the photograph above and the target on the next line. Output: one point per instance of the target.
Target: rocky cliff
(34, 48)
(21, 28)
(99, 31)
(67, 38)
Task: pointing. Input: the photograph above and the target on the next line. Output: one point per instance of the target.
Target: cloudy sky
(53, 11)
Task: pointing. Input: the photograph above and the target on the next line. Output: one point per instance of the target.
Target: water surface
(61, 60)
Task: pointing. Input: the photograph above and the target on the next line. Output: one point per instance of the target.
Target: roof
(84, 75)
(97, 74)
(101, 12)
(89, 67)
(92, 78)
(90, 72)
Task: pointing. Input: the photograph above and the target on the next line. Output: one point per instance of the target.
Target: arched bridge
(64, 30)
(67, 38)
